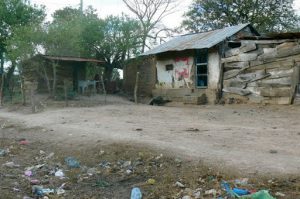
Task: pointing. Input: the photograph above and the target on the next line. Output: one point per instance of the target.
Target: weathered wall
(179, 77)
(179, 84)
(146, 67)
(262, 71)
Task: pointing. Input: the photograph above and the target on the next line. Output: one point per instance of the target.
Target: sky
(111, 7)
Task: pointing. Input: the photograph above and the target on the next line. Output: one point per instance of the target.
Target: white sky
(116, 7)
(111, 7)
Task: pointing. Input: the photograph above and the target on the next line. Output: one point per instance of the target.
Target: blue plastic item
(72, 162)
(240, 192)
(136, 193)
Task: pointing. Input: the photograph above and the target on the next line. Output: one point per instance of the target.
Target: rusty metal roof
(197, 41)
(75, 59)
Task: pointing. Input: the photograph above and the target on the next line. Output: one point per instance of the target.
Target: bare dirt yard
(120, 145)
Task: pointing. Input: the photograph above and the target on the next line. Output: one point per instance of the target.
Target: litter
(179, 184)
(151, 181)
(72, 162)
(263, 194)
(60, 191)
(136, 193)
(28, 173)
(40, 191)
(241, 192)
(23, 142)
(2, 152)
(59, 173)
(11, 165)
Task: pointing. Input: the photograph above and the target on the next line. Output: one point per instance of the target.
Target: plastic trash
(60, 191)
(40, 191)
(136, 193)
(227, 188)
(72, 162)
(2, 152)
(59, 173)
(263, 194)
(28, 173)
(241, 192)
(151, 181)
(23, 142)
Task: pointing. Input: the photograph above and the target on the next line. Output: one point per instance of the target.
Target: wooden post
(136, 87)
(66, 93)
(32, 98)
(23, 90)
(103, 87)
(2, 89)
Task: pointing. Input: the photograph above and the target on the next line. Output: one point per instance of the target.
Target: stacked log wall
(262, 71)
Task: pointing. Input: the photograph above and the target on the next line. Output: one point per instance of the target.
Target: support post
(136, 87)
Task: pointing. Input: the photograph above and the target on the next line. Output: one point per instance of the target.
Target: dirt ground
(201, 146)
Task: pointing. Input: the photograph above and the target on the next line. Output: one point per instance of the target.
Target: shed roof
(197, 40)
(75, 59)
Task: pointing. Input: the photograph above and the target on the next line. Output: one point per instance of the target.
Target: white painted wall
(214, 68)
(179, 77)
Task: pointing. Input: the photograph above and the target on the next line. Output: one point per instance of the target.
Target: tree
(13, 14)
(150, 13)
(113, 40)
(15, 17)
(265, 16)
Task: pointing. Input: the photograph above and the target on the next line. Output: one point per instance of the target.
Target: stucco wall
(179, 77)
(214, 68)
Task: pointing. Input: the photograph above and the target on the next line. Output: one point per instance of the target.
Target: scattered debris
(72, 162)
(273, 151)
(136, 193)
(279, 194)
(59, 173)
(151, 181)
(179, 184)
(2, 152)
(11, 165)
(192, 129)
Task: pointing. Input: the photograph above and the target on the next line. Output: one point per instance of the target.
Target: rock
(273, 151)
(179, 184)
(186, 197)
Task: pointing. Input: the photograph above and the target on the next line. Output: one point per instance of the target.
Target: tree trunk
(2, 78)
(108, 73)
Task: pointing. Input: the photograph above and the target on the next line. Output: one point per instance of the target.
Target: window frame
(199, 53)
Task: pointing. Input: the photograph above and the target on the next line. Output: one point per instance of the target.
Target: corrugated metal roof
(197, 41)
(76, 59)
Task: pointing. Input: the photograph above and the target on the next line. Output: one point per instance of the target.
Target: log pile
(261, 72)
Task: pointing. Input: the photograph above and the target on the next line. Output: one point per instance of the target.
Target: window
(169, 67)
(202, 68)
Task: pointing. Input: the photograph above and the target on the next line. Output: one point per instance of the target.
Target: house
(51, 72)
(189, 67)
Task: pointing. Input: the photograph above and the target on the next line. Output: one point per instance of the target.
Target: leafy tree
(14, 14)
(265, 16)
(113, 39)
